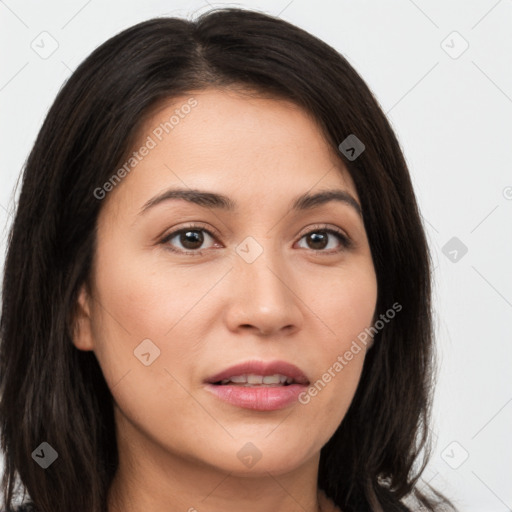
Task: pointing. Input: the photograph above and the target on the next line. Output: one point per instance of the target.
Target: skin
(177, 442)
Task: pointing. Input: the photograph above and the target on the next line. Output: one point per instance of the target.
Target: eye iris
(318, 237)
(194, 237)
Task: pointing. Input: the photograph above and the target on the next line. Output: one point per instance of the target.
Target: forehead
(233, 143)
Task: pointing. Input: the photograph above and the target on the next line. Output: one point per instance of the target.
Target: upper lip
(261, 368)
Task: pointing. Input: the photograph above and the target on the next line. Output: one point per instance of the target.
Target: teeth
(238, 379)
(252, 379)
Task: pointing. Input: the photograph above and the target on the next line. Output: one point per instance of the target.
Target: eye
(318, 240)
(191, 238)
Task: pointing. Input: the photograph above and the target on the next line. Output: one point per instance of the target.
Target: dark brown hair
(51, 392)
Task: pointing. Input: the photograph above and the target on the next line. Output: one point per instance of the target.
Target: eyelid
(345, 241)
(194, 226)
(323, 227)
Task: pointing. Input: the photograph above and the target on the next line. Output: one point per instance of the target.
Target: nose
(264, 296)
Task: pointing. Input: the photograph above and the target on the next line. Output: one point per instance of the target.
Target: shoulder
(25, 507)
(326, 504)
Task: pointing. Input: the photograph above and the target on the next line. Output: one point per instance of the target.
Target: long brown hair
(51, 392)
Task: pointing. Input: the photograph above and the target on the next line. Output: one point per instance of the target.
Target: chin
(258, 458)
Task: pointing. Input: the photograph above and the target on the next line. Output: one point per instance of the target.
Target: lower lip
(258, 398)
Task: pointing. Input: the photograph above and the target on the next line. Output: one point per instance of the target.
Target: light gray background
(452, 112)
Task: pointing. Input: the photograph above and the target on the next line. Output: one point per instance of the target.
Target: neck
(150, 478)
(226, 493)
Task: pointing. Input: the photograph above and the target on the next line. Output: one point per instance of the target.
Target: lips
(258, 385)
(258, 373)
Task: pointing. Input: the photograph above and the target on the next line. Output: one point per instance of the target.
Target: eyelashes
(192, 231)
(187, 230)
(344, 241)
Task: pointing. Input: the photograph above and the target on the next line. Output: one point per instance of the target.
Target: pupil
(316, 238)
(194, 237)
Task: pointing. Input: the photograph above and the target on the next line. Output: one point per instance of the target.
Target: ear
(81, 324)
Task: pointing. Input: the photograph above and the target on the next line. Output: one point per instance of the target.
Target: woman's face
(260, 281)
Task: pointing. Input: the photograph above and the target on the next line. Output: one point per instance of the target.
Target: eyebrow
(206, 199)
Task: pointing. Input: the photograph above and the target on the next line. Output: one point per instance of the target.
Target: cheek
(344, 302)
(144, 296)
(147, 306)
(345, 308)
(142, 319)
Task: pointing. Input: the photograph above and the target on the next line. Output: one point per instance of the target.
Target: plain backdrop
(442, 71)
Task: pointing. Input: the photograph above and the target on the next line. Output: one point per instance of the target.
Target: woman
(217, 285)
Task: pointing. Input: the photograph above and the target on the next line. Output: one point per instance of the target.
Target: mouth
(258, 385)
(252, 380)
(259, 373)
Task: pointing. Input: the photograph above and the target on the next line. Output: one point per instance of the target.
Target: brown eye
(319, 239)
(191, 239)
(188, 240)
